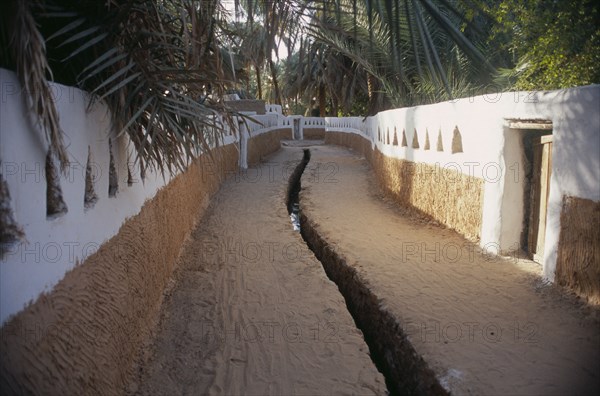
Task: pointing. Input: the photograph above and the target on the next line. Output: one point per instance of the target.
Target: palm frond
(159, 66)
(29, 52)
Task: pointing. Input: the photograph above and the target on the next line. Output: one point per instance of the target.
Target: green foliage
(162, 65)
(155, 64)
(550, 44)
(411, 52)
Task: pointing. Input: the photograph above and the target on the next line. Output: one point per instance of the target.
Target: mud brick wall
(257, 106)
(313, 133)
(450, 197)
(578, 263)
(351, 141)
(83, 337)
(264, 144)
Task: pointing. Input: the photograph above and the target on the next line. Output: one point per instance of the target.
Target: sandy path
(485, 325)
(250, 310)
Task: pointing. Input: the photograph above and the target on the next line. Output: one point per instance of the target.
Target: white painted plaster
(53, 247)
(493, 154)
(513, 202)
(39, 263)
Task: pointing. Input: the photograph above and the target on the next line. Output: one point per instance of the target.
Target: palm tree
(316, 70)
(278, 22)
(160, 65)
(410, 49)
(249, 41)
(156, 64)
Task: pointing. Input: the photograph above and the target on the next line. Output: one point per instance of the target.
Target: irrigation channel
(404, 370)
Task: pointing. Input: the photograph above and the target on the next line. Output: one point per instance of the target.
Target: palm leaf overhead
(27, 55)
(158, 65)
(162, 65)
(403, 43)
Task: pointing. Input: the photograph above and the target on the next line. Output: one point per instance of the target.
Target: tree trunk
(248, 82)
(322, 100)
(275, 83)
(258, 82)
(271, 28)
(371, 86)
(335, 106)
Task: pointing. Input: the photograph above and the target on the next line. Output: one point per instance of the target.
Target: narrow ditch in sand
(293, 192)
(404, 369)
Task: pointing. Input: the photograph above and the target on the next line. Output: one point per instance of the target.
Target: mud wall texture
(83, 337)
(352, 141)
(313, 133)
(450, 197)
(257, 106)
(578, 263)
(477, 136)
(261, 145)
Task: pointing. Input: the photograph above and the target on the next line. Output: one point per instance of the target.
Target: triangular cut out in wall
(440, 146)
(113, 181)
(415, 141)
(11, 232)
(130, 180)
(395, 142)
(456, 141)
(387, 136)
(129, 176)
(379, 134)
(142, 172)
(55, 204)
(404, 144)
(427, 145)
(89, 198)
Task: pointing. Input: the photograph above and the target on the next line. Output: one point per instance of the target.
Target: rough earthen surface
(578, 263)
(485, 325)
(424, 188)
(406, 371)
(82, 337)
(251, 311)
(314, 133)
(260, 146)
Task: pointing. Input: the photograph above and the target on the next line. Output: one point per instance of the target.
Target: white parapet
(493, 151)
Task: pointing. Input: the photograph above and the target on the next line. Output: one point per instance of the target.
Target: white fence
(273, 108)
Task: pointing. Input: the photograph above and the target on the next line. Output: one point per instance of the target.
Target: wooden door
(540, 189)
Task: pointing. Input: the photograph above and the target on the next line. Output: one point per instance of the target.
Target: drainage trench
(293, 191)
(405, 371)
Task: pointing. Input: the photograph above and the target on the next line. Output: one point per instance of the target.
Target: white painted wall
(513, 200)
(273, 108)
(53, 247)
(575, 114)
(496, 156)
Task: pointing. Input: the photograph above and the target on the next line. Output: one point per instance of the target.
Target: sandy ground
(250, 310)
(486, 325)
